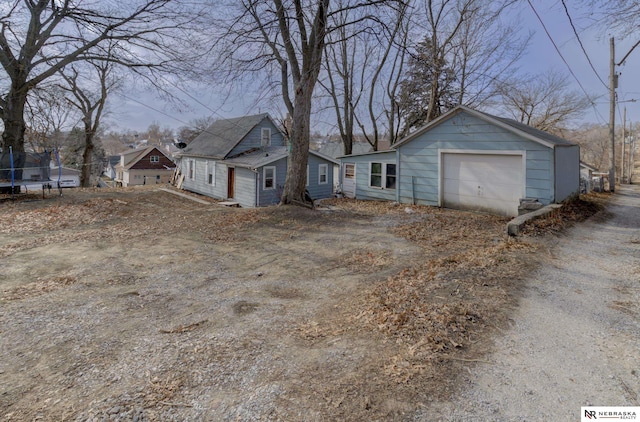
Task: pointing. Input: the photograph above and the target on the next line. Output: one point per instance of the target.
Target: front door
(231, 178)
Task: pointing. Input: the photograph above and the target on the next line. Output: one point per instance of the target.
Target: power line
(564, 60)
(566, 10)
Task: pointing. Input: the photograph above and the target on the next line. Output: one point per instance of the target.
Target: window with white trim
(382, 175)
(211, 173)
(323, 174)
(269, 178)
(265, 137)
(154, 158)
(191, 169)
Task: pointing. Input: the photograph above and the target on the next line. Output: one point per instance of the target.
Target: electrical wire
(564, 60)
(566, 10)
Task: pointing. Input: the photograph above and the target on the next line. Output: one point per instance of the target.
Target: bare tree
(467, 49)
(594, 142)
(194, 128)
(544, 101)
(38, 38)
(90, 101)
(357, 66)
(289, 36)
(47, 114)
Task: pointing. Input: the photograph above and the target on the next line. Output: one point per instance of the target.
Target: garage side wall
(567, 172)
(419, 158)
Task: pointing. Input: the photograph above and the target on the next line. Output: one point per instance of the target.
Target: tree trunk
(87, 157)
(13, 118)
(295, 184)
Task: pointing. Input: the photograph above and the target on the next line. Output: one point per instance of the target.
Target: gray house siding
(362, 162)
(420, 159)
(317, 190)
(200, 183)
(254, 137)
(567, 173)
(272, 196)
(244, 187)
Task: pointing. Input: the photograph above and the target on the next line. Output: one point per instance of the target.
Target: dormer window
(265, 138)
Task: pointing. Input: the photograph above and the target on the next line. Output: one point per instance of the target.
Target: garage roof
(511, 125)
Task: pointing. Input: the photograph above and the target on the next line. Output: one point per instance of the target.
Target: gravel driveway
(575, 336)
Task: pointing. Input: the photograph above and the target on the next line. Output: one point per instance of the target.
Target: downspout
(398, 184)
(257, 187)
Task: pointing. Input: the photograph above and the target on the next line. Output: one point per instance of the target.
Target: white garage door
(483, 182)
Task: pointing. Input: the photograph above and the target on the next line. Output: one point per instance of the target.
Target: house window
(211, 173)
(323, 174)
(382, 175)
(349, 171)
(154, 158)
(269, 178)
(265, 137)
(191, 169)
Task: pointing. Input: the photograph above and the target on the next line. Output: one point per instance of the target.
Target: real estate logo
(609, 413)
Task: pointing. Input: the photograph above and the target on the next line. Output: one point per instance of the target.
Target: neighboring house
(68, 178)
(469, 160)
(143, 167)
(110, 168)
(587, 182)
(244, 160)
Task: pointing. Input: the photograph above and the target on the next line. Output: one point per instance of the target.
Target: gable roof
(133, 157)
(511, 125)
(223, 135)
(587, 166)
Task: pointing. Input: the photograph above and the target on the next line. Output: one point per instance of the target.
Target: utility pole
(612, 114)
(624, 143)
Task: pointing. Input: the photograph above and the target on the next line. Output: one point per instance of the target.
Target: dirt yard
(137, 304)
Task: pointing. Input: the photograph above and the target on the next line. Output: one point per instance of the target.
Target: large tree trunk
(87, 156)
(13, 119)
(295, 184)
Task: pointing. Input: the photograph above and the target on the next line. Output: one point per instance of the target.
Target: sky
(137, 111)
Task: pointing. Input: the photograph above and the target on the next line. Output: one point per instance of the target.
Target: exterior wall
(317, 190)
(199, 184)
(145, 162)
(419, 178)
(244, 187)
(271, 196)
(362, 162)
(567, 172)
(146, 177)
(254, 137)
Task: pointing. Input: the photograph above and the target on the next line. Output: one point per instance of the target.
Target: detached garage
(467, 159)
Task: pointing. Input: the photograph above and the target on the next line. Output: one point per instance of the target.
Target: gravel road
(575, 337)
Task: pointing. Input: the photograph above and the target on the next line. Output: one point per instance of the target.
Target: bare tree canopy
(89, 99)
(620, 16)
(543, 101)
(287, 38)
(465, 51)
(38, 38)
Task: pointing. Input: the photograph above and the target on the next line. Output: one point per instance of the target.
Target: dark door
(231, 178)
